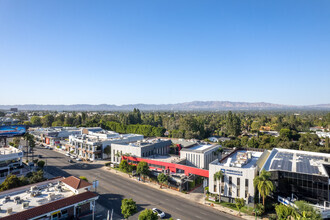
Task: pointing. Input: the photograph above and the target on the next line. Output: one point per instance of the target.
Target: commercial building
(300, 175)
(143, 148)
(59, 198)
(92, 145)
(54, 135)
(199, 155)
(239, 169)
(10, 161)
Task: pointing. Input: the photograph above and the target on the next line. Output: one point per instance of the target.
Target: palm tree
(263, 184)
(218, 176)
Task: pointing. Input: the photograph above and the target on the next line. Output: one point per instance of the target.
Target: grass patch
(247, 210)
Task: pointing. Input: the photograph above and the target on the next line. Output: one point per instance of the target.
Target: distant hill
(186, 106)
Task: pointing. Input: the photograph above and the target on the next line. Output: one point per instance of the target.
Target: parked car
(159, 212)
(40, 156)
(67, 154)
(73, 157)
(78, 159)
(70, 161)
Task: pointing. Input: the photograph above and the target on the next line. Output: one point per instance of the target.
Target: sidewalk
(196, 195)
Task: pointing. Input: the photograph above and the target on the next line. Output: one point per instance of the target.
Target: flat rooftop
(240, 158)
(9, 150)
(147, 142)
(297, 161)
(165, 158)
(45, 192)
(200, 148)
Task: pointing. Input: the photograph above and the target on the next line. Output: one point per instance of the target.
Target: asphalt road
(113, 188)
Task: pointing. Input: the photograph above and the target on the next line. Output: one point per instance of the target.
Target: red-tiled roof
(75, 182)
(49, 207)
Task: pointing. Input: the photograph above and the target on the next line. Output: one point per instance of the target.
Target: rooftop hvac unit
(9, 210)
(25, 205)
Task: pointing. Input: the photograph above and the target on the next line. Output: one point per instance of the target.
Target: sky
(164, 51)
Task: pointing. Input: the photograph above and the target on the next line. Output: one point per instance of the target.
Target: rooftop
(200, 148)
(146, 142)
(35, 199)
(297, 161)
(75, 182)
(244, 158)
(165, 158)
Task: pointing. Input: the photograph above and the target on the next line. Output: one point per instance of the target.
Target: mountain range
(185, 106)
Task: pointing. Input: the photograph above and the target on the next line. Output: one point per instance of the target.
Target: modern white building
(199, 155)
(145, 148)
(239, 169)
(10, 161)
(92, 145)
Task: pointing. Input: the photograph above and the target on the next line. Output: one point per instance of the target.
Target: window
(246, 187)
(230, 180)
(238, 187)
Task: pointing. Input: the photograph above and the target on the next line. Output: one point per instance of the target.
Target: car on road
(73, 157)
(40, 156)
(78, 159)
(159, 212)
(70, 161)
(67, 154)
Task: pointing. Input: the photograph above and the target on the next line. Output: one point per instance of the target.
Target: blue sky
(164, 51)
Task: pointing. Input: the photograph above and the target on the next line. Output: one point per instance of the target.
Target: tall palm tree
(218, 176)
(263, 184)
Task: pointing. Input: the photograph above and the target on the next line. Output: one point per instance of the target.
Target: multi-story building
(300, 174)
(92, 146)
(10, 161)
(239, 169)
(145, 148)
(53, 136)
(199, 155)
(59, 198)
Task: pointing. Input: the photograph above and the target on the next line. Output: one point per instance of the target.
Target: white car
(159, 212)
(67, 154)
(78, 159)
(73, 157)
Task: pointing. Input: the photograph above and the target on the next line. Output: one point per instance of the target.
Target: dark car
(70, 161)
(40, 156)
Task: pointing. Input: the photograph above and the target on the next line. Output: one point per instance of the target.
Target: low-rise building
(10, 161)
(59, 198)
(92, 146)
(239, 169)
(199, 155)
(300, 174)
(145, 148)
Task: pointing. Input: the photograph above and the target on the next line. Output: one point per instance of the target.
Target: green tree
(306, 211)
(148, 214)
(142, 168)
(41, 164)
(124, 166)
(263, 184)
(233, 124)
(218, 177)
(162, 178)
(36, 120)
(83, 178)
(128, 207)
(47, 120)
(240, 203)
(11, 181)
(284, 212)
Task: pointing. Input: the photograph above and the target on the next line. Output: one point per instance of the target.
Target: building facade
(145, 148)
(239, 169)
(200, 155)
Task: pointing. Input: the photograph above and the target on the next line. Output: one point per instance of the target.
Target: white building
(199, 155)
(91, 146)
(145, 148)
(239, 170)
(10, 161)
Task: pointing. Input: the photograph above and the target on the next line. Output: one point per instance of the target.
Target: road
(113, 188)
